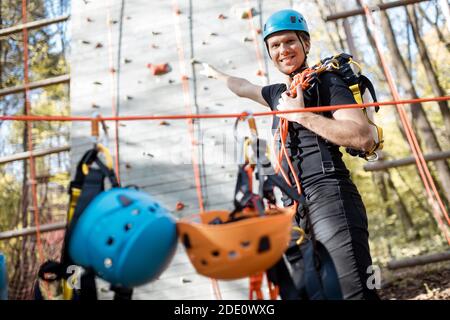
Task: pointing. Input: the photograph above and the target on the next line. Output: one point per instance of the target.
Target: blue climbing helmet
(285, 20)
(125, 236)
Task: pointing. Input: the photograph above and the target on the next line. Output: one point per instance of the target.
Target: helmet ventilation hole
(110, 241)
(215, 253)
(245, 244)
(127, 227)
(264, 244)
(204, 262)
(151, 209)
(232, 254)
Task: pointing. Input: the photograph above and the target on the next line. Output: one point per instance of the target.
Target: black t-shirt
(302, 144)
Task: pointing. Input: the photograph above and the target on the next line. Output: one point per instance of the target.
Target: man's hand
(287, 102)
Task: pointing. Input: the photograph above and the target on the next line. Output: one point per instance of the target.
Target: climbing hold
(159, 69)
(185, 280)
(177, 11)
(213, 34)
(222, 17)
(128, 18)
(171, 81)
(184, 77)
(85, 42)
(95, 106)
(128, 166)
(260, 73)
(113, 21)
(98, 83)
(129, 97)
(246, 14)
(204, 42)
(147, 154)
(219, 104)
(127, 60)
(154, 46)
(179, 206)
(99, 45)
(205, 88)
(89, 19)
(112, 70)
(164, 123)
(248, 39)
(258, 30)
(156, 33)
(122, 125)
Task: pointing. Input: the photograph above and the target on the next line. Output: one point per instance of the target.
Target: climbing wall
(115, 48)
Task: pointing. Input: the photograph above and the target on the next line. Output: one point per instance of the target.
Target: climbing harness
(121, 235)
(341, 64)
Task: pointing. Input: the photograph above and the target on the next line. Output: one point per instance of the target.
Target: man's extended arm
(239, 86)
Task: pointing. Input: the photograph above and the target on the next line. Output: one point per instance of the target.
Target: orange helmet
(237, 249)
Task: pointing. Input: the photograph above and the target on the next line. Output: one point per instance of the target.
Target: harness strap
(325, 155)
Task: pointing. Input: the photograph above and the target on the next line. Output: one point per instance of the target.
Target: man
(336, 211)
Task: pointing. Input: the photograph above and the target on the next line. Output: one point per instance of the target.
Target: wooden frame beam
(383, 165)
(37, 84)
(419, 260)
(5, 235)
(381, 6)
(35, 153)
(32, 25)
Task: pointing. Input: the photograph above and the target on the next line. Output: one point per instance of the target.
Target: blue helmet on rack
(285, 20)
(125, 236)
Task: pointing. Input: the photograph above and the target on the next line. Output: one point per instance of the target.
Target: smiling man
(336, 212)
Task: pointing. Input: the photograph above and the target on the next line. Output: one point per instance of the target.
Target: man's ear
(307, 43)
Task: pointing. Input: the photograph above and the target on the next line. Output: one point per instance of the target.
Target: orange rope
(412, 139)
(32, 180)
(221, 115)
(113, 96)
(259, 58)
(188, 109)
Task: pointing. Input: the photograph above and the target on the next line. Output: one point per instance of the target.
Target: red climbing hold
(158, 69)
(179, 206)
(260, 73)
(221, 17)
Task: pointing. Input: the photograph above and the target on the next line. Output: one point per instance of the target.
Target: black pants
(338, 220)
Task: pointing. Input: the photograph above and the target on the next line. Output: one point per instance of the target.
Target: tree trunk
(419, 116)
(402, 212)
(436, 28)
(429, 71)
(321, 7)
